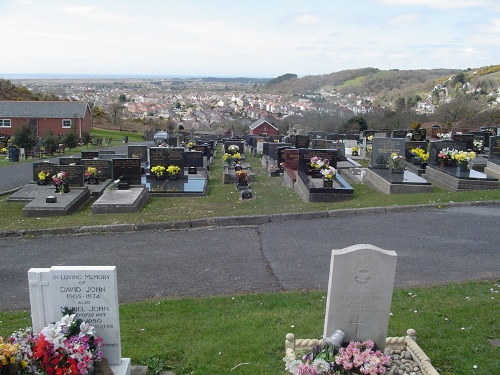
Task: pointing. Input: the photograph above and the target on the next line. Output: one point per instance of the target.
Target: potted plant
(92, 175)
(43, 177)
(173, 172)
(61, 182)
(159, 172)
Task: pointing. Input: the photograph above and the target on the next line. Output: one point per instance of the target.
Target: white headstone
(91, 292)
(360, 293)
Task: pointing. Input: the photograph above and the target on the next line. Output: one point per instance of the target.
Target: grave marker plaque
(127, 170)
(138, 151)
(360, 293)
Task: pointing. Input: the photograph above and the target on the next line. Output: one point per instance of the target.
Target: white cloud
(405, 19)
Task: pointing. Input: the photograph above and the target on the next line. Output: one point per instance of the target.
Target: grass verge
(214, 335)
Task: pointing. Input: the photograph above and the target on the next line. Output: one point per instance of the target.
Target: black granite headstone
(127, 170)
(399, 133)
(40, 166)
(67, 160)
(467, 139)
(102, 165)
(138, 151)
(75, 173)
(494, 144)
(302, 141)
(306, 154)
(265, 148)
(419, 135)
(436, 146)
(193, 159)
(90, 154)
(158, 156)
(175, 156)
(172, 141)
(410, 145)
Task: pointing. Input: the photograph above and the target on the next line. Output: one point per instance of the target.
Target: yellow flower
(173, 169)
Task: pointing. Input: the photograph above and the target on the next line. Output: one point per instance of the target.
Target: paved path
(433, 246)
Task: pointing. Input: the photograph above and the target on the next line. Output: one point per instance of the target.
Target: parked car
(160, 137)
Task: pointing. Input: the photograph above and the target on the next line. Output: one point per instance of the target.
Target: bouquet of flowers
(328, 172)
(419, 153)
(227, 157)
(444, 135)
(478, 144)
(445, 154)
(361, 357)
(173, 169)
(318, 163)
(396, 161)
(42, 176)
(91, 172)
(158, 170)
(60, 178)
(369, 138)
(242, 176)
(68, 346)
(463, 157)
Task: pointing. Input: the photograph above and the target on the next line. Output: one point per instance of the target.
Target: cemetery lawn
(223, 200)
(213, 335)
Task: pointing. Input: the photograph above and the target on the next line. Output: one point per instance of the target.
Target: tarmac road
(433, 245)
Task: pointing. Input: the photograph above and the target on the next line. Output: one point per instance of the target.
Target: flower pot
(443, 163)
(462, 167)
(417, 161)
(398, 170)
(328, 182)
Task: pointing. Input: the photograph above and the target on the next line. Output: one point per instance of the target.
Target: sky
(256, 38)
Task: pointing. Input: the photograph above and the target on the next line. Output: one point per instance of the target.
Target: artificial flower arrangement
(328, 172)
(236, 156)
(242, 176)
(233, 149)
(318, 163)
(3, 150)
(462, 157)
(190, 144)
(444, 154)
(355, 149)
(43, 175)
(158, 170)
(358, 357)
(369, 149)
(369, 138)
(282, 165)
(227, 157)
(60, 178)
(420, 153)
(92, 172)
(478, 144)
(396, 161)
(67, 347)
(173, 169)
(444, 135)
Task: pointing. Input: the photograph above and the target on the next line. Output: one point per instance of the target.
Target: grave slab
(450, 179)
(121, 201)
(360, 289)
(66, 204)
(311, 189)
(389, 183)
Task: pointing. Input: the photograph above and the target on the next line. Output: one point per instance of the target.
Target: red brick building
(60, 117)
(263, 128)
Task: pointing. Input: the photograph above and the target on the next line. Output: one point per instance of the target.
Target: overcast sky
(251, 38)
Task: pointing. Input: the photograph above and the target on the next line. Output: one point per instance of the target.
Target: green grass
(271, 197)
(213, 335)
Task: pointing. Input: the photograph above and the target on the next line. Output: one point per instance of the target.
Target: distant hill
(8, 91)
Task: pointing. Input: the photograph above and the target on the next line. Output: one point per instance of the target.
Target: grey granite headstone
(360, 293)
(382, 148)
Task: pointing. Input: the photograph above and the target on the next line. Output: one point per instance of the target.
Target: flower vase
(328, 182)
(65, 187)
(462, 167)
(417, 161)
(398, 170)
(41, 182)
(442, 163)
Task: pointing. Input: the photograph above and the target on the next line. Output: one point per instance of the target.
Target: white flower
(320, 365)
(86, 329)
(53, 334)
(292, 366)
(66, 320)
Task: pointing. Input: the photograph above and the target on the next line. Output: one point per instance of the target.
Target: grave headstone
(494, 146)
(91, 292)
(281, 155)
(39, 166)
(75, 173)
(419, 134)
(368, 133)
(318, 135)
(127, 170)
(410, 145)
(103, 166)
(90, 154)
(175, 156)
(274, 147)
(467, 139)
(334, 137)
(291, 158)
(158, 156)
(302, 141)
(240, 144)
(436, 146)
(382, 148)
(265, 148)
(360, 289)
(112, 156)
(435, 130)
(106, 152)
(194, 159)
(399, 133)
(67, 160)
(138, 151)
(306, 154)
